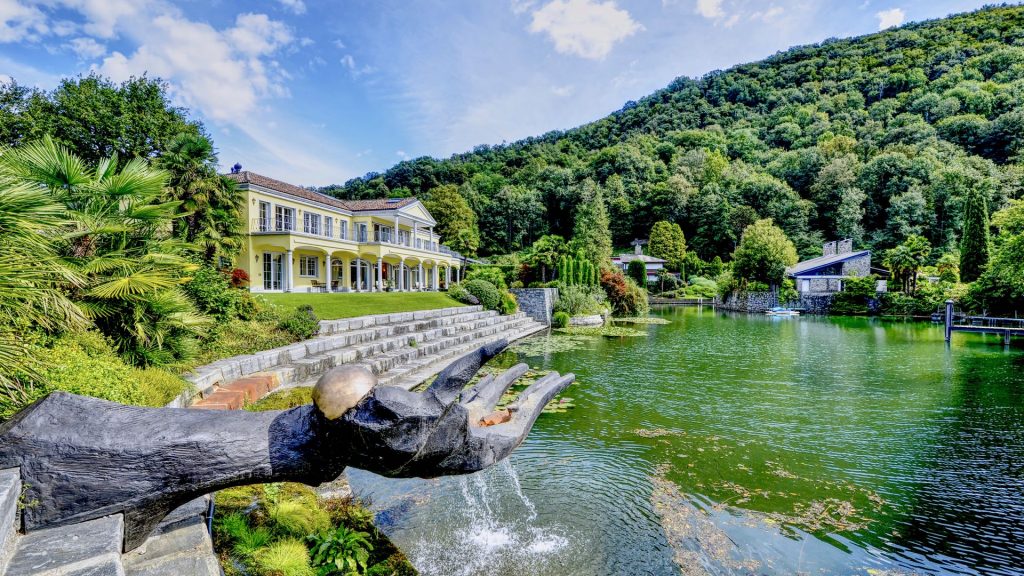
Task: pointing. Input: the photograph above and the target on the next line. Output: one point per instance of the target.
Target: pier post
(949, 319)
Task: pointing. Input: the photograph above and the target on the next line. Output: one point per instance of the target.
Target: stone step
(328, 327)
(90, 548)
(380, 364)
(180, 545)
(359, 330)
(414, 373)
(247, 389)
(10, 491)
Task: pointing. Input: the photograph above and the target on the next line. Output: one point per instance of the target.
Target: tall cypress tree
(974, 245)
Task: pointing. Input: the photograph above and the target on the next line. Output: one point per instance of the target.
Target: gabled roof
(376, 204)
(628, 257)
(823, 261)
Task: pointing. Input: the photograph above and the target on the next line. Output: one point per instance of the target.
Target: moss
(283, 399)
(609, 331)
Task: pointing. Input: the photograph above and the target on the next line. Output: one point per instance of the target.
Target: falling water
(496, 534)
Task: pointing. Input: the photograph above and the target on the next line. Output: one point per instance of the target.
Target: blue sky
(319, 92)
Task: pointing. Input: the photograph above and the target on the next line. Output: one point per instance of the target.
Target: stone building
(825, 274)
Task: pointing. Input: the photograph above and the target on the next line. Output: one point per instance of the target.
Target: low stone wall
(749, 301)
(537, 302)
(592, 320)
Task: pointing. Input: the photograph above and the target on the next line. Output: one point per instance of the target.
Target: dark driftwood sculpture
(83, 458)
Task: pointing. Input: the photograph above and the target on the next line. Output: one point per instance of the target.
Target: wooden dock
(1006, 327)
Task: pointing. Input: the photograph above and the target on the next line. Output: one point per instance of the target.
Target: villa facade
(298, 240)
(825, 274)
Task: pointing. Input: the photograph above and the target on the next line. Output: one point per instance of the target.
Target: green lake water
(736, 444)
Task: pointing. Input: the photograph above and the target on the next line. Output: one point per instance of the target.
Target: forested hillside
(877, 138)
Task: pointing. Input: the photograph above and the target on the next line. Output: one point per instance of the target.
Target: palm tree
(31, 274)
(118, 238)
(211, 204)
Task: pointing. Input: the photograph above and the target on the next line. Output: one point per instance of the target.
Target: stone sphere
(342, 388)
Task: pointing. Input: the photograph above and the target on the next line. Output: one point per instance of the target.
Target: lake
(739, 444)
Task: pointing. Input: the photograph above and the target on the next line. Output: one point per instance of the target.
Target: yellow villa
(299, 240)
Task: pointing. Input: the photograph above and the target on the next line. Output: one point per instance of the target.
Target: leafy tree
(948, 267)
(546, 252)
(905, 260)
(668, 243)
(974, 245)
(590, 232)
(117, 241)
(456, 221)
(210, 205)
(763, 254)
(96, 118)
(637, 270)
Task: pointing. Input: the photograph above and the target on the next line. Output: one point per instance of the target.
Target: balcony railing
(272, 225)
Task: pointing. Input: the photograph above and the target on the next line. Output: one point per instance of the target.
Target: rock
(339, 389)
(499, 417)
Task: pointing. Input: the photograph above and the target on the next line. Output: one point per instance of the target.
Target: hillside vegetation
(878, 138)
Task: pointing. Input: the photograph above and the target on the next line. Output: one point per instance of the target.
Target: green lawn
(334, 306)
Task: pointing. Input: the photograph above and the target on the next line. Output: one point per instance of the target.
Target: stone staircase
(402, 349)
(180, 545)
(399, 348)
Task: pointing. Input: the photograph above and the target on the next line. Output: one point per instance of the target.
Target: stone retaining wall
(750, 301)
(537, 302)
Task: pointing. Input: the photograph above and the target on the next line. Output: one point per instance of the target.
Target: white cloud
(337, 42)
(710, 9)
(402, 154)
(768, 15)
(104, 16)
(86, 48)
(890, 18)
(562, 91)
(258, 35)
(348, 62)
(21, 22)
(586, 28)
(296, 6)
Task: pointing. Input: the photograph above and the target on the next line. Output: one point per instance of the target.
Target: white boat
(780, 311)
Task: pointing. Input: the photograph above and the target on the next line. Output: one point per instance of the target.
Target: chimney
(828, 248)
(638, 249)
(845, 246)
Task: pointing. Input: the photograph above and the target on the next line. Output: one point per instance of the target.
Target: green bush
(580, 300)
(486, 292)
(493, 274)
(560, 320)
(84, 363)
(302, 323)
(624, 296)
(637, 270)
(458, 292)
(855, 298)
(212, 293)
(509, 305)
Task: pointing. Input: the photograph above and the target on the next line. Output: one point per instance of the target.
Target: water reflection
(824, 446)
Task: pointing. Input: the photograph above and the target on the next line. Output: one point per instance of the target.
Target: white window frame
(343, 229)
(284, 218)
(362, 233)
(329, 226)
(311, 223)
(304, 262)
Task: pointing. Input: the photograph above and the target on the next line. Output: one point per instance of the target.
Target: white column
(447, 276)
(359, 274)
(414, 236)
(419, 277)
(380, 274)
(328, 276)
(288, 271)
(401, 275)
(394, 239)
(434, 277)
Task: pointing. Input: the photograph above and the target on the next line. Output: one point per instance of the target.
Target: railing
(271, 225)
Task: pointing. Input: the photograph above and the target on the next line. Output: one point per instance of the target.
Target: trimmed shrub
(637, 270)
(458, 292)
(560, 320)
(302, 323)
(486, 292)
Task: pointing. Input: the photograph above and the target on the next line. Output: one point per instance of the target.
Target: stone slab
(10, 490)
(90, 548)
